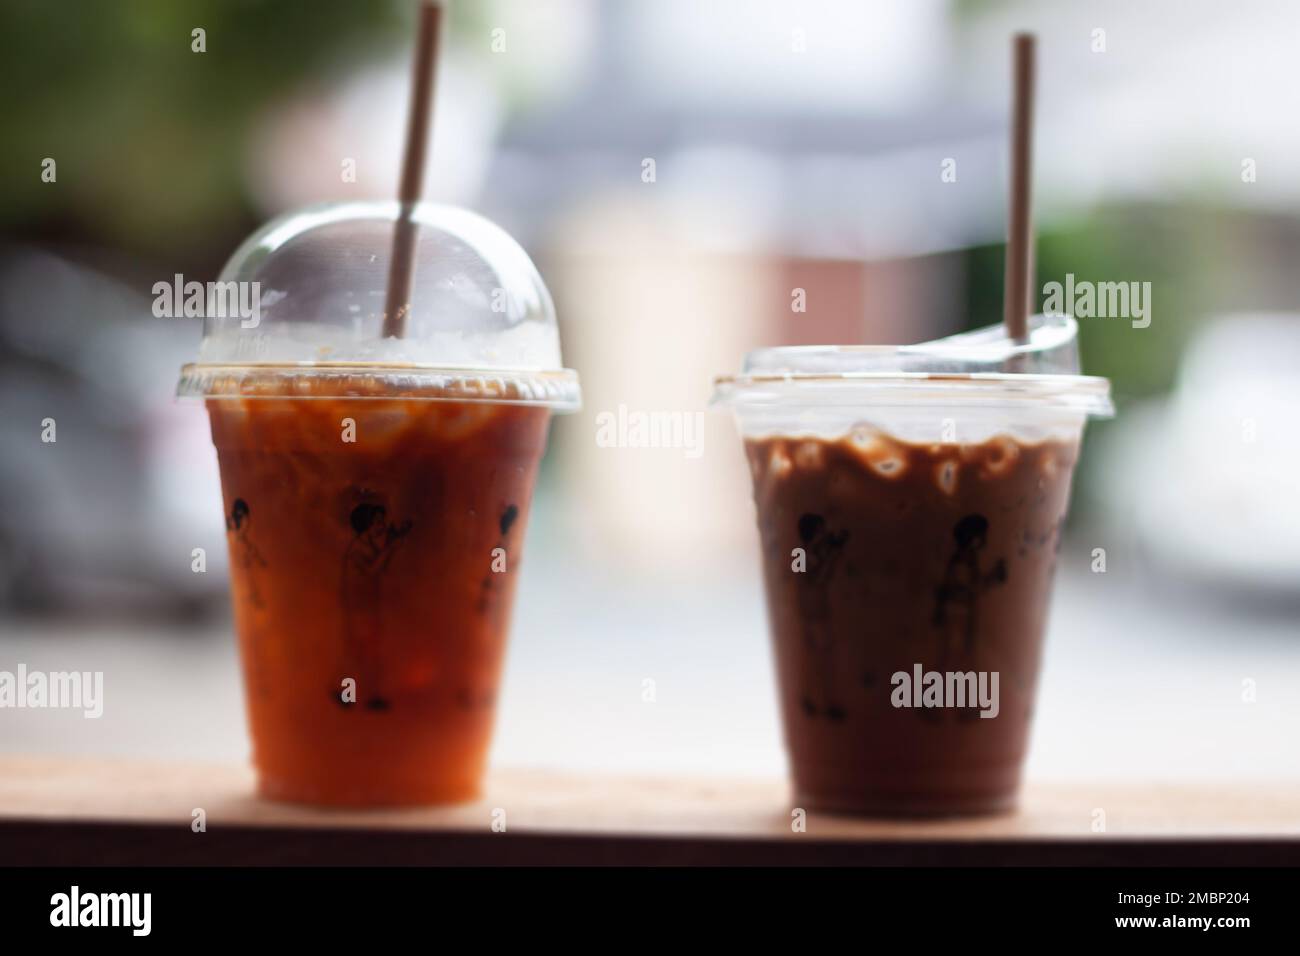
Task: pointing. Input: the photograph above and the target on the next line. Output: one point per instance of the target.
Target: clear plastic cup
(910, 504)
(376, 493)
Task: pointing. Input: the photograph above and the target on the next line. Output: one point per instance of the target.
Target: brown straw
(1020, 243)
(401, 264)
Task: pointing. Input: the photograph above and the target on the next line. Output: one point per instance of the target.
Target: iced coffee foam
(938, 464)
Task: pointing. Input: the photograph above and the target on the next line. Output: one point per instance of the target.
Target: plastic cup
(376, 495)
(910, 504)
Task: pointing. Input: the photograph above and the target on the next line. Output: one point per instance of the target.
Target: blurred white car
(1209, 479)
(109, 513)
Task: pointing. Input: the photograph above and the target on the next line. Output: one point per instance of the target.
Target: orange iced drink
(374, 543)
(376, 470)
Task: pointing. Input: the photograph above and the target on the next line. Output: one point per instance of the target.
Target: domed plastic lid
(983, 367)
(299, 312)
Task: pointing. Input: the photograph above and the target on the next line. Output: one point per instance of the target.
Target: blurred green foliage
(148, 135)
(1116, 245)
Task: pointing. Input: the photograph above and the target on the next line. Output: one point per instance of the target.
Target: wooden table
(94, 811)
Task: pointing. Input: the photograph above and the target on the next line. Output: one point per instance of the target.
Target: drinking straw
(1020, 243)
(397, 302)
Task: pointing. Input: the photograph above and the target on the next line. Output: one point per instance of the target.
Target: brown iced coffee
(885, 558)
(910, 505)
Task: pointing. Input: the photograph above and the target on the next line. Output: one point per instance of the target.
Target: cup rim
(1085, 393)
(556, 389)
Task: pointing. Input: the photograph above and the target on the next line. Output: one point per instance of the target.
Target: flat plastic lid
(982, 366)
(298, 312)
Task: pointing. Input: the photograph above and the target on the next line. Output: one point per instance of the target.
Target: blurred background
(797, 144)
